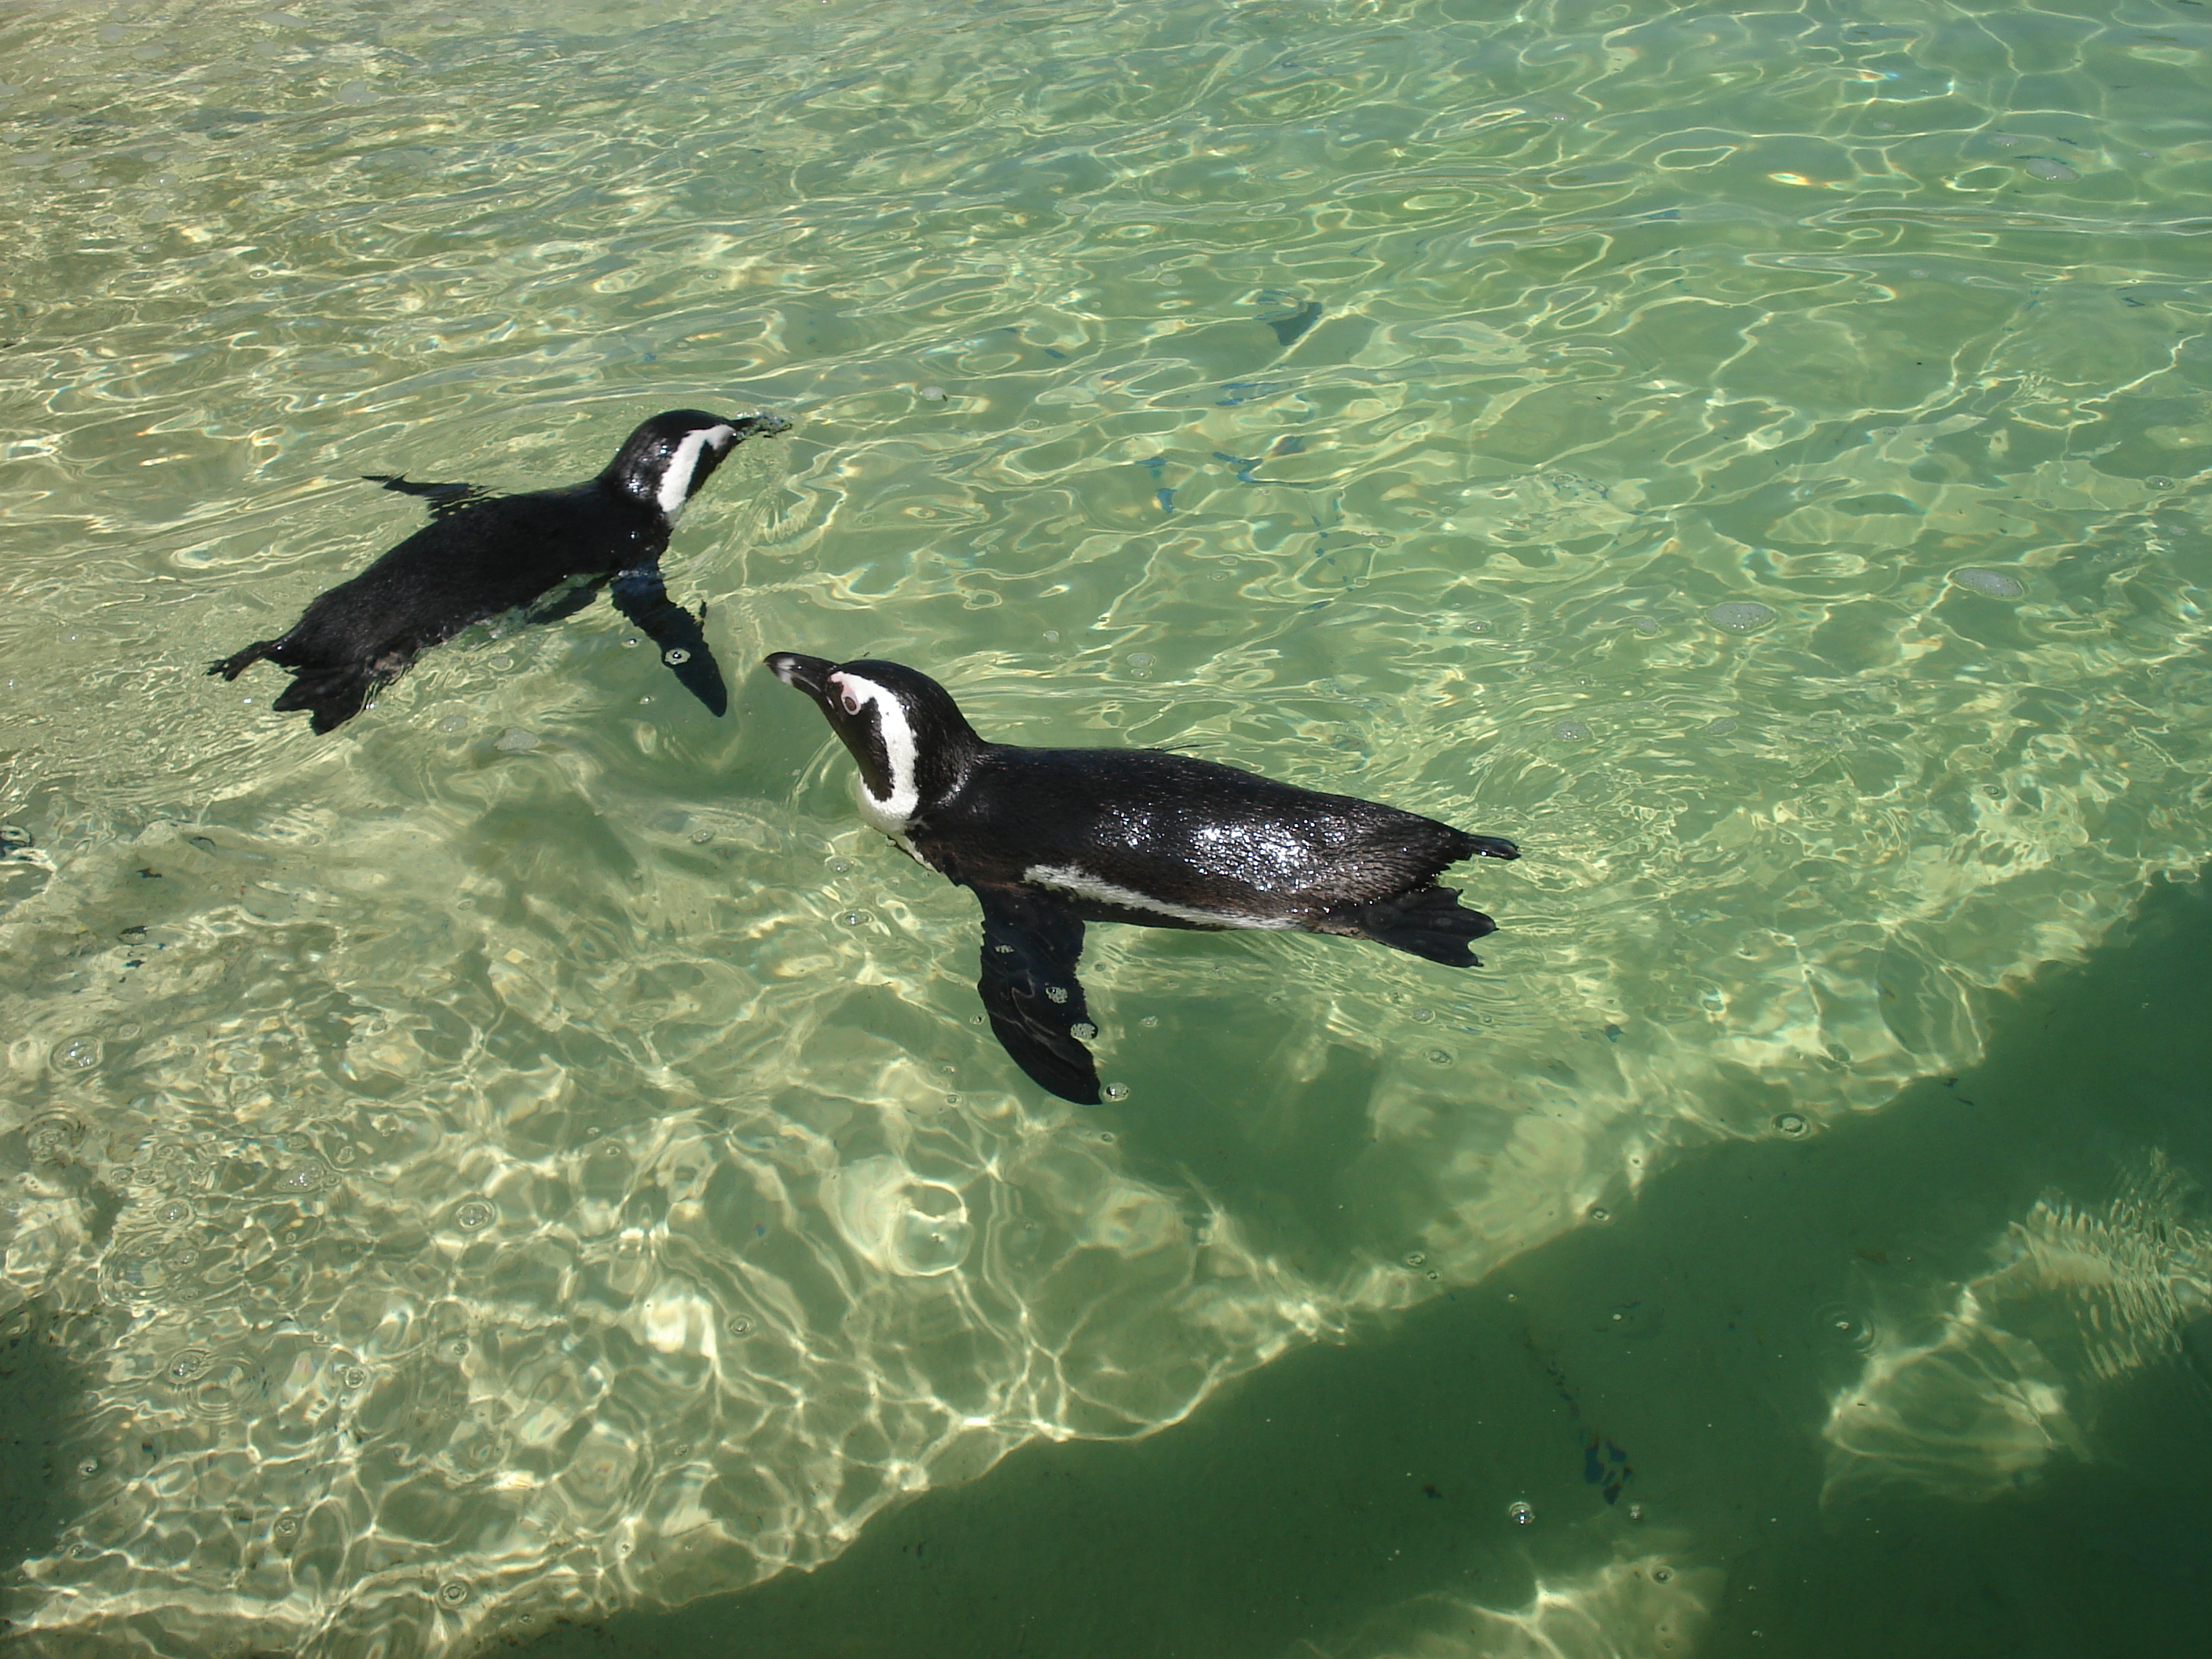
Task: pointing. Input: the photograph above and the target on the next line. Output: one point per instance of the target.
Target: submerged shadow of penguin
(483, 554)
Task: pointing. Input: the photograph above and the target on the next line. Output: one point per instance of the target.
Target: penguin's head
(662, 463)
(911, 742)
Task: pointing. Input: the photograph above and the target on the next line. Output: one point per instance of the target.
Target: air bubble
(453, 1350)
(1740, 615)
(1149, 1021)
(475, 1215)
(1433, 1274)
(286, 1527)
(676, 656)
(77, 1053)
(1106, 1137)
(2157, 482)
(1140, 659)
(1995, 583)
(1116, 1091)
(452, 1593)
(701, 837)
(355, 1377)
(1423, 1015)
(934, 394)
(1414, 1258)
(855, 918)
(1600, 1216)
(189, 1365)
(90, 1466)
(739, 1325)
(1790, 1124)
(1572, 731)
(53, 1137)
(1440, 1057)
(1660, 1575)
(1520, 1512)
(1083, 1031)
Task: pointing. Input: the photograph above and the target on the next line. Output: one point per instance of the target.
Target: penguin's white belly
(1071, 879)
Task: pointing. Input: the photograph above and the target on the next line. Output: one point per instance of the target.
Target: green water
(531, 1153)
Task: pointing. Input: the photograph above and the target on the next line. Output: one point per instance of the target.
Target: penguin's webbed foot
(1429, 921)
(232, 666)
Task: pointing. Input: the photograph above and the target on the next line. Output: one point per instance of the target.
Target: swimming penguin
(1048, 839)
(483, 553)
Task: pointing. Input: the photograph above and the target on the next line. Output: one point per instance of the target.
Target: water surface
(534, 1151)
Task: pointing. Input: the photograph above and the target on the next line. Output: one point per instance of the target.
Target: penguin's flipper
(444, 498)
(641, 596)
(569, 604)
(1429, 921)
(1031, 942)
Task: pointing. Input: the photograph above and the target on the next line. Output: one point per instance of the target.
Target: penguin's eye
(851, 703)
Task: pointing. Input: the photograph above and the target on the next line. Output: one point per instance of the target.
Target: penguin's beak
(807, 674)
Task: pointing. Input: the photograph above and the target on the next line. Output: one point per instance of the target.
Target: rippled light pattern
(535, 1151)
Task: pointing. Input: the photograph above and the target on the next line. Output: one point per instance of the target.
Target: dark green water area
(536, 1152)
(1666, 1376)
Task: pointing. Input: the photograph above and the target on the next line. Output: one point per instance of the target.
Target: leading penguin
(483, 554)
(1048, 839)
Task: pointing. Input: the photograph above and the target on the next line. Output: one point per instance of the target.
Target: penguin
(483, 553)
(1048, 839)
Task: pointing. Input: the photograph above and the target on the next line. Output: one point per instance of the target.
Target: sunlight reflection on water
(533, 1151)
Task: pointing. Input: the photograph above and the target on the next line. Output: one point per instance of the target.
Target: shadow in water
(43, 1483)
(1659, 1384)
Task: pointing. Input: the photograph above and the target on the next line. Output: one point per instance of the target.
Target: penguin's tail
(333, 696)
(232, 666)
(1429, 921)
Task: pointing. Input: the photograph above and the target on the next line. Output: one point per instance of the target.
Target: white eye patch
(676, 482)
(895, 729)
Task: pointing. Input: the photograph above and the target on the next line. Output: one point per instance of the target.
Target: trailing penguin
(482, 554)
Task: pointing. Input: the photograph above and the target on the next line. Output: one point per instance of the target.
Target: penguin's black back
(1186, 832)
(475, 561)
